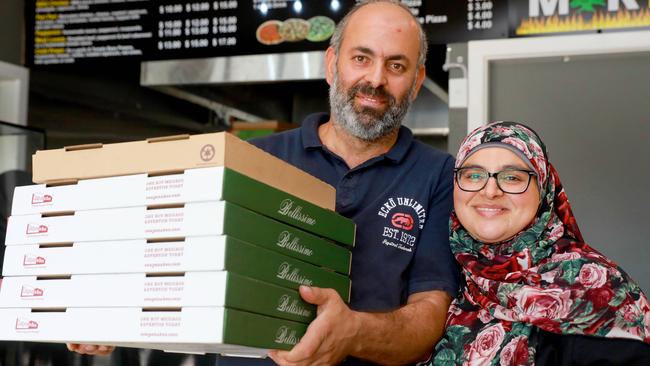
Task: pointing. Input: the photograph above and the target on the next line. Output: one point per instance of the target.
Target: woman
(533, 292)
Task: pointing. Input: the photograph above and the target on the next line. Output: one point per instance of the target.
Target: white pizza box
(190, 329)
(141, 222)
(192, 185)
(224, 289)
(203, 254)
(277, 236)
(194, 219)
(120, 256)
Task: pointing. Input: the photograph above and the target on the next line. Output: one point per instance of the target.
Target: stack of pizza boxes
(188, 244)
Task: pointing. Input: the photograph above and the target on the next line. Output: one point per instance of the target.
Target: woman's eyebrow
(472, 166)
(512, 166)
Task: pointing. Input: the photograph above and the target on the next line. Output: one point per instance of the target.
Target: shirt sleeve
(433, 266)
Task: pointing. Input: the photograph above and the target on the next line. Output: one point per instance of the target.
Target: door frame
(481, 53)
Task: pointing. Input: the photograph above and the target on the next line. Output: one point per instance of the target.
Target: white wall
(14, 87)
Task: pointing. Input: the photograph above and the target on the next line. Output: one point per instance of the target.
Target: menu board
(69, 31)
(90, 31)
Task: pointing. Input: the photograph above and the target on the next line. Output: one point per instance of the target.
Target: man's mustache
(370, 91)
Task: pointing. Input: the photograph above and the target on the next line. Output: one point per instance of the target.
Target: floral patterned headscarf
(545, 276)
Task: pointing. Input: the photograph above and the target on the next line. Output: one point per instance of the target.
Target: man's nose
(377, 75)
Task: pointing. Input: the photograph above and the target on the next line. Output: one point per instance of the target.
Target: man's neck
(351, 149)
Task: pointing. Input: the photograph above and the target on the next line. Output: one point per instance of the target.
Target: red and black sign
(546, 17)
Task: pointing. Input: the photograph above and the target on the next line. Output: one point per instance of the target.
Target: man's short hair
(337, 37)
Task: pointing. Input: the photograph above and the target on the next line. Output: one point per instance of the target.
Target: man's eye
(397, 67)
(360, 59)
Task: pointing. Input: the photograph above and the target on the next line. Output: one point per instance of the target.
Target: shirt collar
(403, 143)
(310, 137)
(309, 130)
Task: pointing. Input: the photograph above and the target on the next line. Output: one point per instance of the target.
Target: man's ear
(330, 64)
(422, 73)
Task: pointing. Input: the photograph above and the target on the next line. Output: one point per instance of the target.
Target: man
(397, 190)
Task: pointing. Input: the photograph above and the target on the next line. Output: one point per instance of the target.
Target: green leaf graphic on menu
(586, 5)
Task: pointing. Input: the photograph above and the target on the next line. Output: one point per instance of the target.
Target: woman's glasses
(513, 181)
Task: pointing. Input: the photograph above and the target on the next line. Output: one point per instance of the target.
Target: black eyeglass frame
(531, 174)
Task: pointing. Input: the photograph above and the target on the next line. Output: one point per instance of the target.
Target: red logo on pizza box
(40, 198)
(33, 260)
(26, 324)
(33, 229)
(402, 221)
(29, 291)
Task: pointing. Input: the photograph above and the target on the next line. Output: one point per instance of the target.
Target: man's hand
(402, 336)
(90, 349)
(329, 338)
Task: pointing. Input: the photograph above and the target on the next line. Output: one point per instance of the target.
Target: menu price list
(197, 29)
(65, 31)
(196, 25)
(84, 31)
(479, 14)
(461, 21)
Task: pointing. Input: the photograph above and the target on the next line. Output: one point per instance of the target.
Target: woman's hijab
(545, 276)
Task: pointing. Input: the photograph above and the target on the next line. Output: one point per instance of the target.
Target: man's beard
(366, 123)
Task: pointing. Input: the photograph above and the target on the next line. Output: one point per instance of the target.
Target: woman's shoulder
(568, 349)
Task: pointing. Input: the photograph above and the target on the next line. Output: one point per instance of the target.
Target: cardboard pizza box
(177, 153)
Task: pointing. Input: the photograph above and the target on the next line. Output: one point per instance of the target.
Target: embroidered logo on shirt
(404, 203)
(401, 214)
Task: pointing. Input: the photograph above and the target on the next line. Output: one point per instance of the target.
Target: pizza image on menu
(268, 33)
(294, 29)
(320, 28)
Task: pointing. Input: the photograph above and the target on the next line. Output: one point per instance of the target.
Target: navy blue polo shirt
(400, 202)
